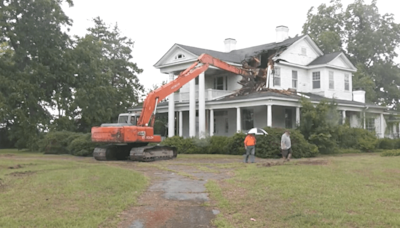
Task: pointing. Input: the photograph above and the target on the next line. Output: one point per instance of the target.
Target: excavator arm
(198, 67)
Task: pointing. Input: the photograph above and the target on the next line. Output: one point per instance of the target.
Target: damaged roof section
(237, 56)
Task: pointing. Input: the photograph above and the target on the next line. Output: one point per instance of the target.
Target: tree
(319, 124)
(31, 63)
(368, 38)
(106, 81)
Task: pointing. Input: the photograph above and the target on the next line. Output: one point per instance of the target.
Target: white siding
(339, 62)
(294, 53)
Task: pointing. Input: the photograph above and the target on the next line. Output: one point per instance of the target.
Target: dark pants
(285, 153)
(250, 151)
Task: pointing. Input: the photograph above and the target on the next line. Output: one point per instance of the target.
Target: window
(316, 80)
(196, 80)
(277, 76)
(346, 82)
(303, 51)
(294, 79)
(248, 119)
(370, 124)
(219, 83)
(331, 80)
(179, 56)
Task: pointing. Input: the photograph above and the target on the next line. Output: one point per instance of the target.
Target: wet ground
(176, 198)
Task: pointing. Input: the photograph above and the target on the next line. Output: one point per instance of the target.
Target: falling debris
(260, 73)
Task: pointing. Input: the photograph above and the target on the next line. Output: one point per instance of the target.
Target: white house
(204, 106)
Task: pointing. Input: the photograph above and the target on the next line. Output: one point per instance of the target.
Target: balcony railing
(210, 94)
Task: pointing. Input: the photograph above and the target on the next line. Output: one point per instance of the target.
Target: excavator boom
(127, 140)
(198, 67)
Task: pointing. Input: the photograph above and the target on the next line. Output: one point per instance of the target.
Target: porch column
(382, 120)
(211, 122)
(364, 120)
(192, 108)
(180, 123)
(343, 117)
(238, 120)
(202, 107)
(297, 116)
(269, 115)
(171, 110)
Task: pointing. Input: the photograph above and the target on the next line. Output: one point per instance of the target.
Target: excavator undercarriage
(134, 152)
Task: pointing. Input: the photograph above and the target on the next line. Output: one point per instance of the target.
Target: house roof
(237, 56)
(324, 59)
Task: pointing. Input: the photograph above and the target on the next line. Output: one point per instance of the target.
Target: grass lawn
(350, 191)
(38, 191)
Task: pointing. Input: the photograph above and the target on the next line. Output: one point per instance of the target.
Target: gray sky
(157, 25)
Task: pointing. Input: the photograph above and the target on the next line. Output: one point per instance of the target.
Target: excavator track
(134, 153)
(153, 153)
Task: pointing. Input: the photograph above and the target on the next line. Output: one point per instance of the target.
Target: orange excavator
(128, 139)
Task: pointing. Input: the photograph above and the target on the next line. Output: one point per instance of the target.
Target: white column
(269, 115)
(238, 120)
(382, 127)
(171, 110)
(297, 116)
(180, 123)
(343, 116)
(365, 127)
(211, 122)
(192, 108)
(202, 107)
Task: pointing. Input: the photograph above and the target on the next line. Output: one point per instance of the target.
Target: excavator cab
(128, 118)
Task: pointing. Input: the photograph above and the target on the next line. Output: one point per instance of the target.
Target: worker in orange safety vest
(250, 146)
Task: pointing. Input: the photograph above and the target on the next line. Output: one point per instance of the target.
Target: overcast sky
(157, 25)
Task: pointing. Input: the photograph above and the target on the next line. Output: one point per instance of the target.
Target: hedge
(66, 142)
(267, 146)
(388, 153)
(355, 138)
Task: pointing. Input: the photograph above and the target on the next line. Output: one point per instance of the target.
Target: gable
(175, 55)
(340, 61)
(301, 52)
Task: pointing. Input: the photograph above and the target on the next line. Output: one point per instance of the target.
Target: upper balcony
(210, 94)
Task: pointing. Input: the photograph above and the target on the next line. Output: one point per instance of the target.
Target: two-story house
(205, 106)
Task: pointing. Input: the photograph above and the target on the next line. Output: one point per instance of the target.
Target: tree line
(89, 80)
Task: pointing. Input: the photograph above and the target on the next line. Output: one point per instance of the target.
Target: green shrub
(397, 144)
(355, 138)
(325, 142)
(218, 145)
(235, 144)
(187, 145)
(56, 142)
(269, 146)
(388, 153)
(82, 145)
(387, 144)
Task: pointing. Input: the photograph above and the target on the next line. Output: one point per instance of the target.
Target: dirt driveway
(177, 196)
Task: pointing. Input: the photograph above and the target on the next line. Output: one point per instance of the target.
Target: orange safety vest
(250, 140)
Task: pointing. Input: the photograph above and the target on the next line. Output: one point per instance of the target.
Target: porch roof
(272, 95)
(313, 97)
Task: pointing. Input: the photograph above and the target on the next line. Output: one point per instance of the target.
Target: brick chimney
(230, 44)
(282, 33)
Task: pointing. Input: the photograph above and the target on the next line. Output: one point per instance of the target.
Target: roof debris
(260, 73)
